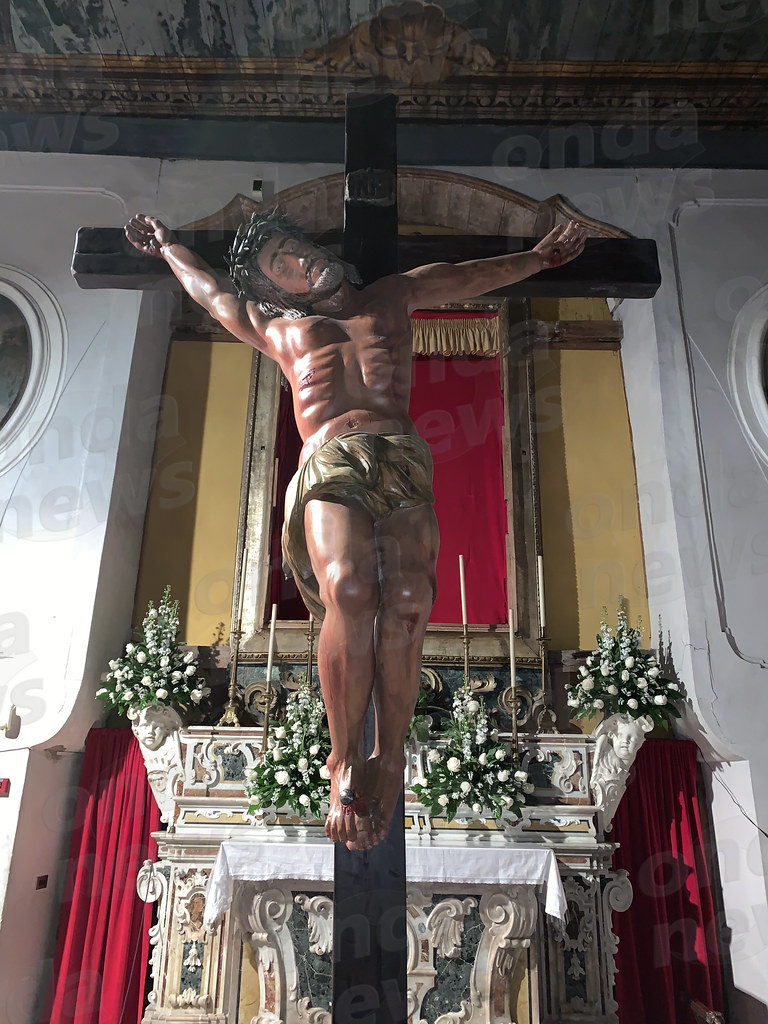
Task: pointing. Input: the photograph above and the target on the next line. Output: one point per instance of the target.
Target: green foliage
(155, 669)
(292, 771)
(468, 766)
(619, 678)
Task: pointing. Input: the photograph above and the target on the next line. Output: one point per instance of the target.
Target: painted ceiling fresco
(516, 30)
(544, 61)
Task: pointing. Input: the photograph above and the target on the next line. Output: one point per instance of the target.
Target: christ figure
(360, 533)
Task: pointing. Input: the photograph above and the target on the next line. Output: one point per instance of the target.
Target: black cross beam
(370, 946)
(622, 268)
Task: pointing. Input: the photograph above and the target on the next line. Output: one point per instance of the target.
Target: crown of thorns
(253, 235)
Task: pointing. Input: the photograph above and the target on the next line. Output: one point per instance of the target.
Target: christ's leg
(341, 545)
(407, 543)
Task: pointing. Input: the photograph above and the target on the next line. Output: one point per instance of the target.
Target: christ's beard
(327, 282)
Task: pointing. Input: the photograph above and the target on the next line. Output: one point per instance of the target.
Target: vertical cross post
(369, 915)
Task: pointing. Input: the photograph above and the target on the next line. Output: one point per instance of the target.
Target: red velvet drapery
(456, 405)
(668, 946)
(103, 945)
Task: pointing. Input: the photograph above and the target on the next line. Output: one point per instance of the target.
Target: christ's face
(300, 269)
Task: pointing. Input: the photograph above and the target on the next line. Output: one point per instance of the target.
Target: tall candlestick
(542, 616)
(270, 659)
(463, 590)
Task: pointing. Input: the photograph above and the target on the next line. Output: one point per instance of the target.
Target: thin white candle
(463, 590)
(542, 616)
(311, 620)
(270, 658)
(512, 663)
(271, 652)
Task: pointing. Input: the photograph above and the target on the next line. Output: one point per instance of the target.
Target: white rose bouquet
(155, 669)
(618, 678)
(292, 771)
(470, 767)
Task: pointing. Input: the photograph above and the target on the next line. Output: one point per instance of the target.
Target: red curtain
(456, 405)
(103, 944)
(668, 943)
(282, 589)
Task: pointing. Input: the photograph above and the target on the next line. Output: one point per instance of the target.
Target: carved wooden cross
(369, 933)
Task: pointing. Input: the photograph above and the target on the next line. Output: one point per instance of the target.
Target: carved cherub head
(625, 735)
(273, 263)
(153, 725)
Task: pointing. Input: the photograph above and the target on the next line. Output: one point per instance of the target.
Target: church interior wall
(61, 656)
(591, 539)
(190, 533)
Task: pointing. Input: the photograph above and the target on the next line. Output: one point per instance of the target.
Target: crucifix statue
(360, 534)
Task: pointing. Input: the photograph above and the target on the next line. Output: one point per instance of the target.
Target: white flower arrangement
(617, 678)
(156, 669)
(471, 768)
(292, 771)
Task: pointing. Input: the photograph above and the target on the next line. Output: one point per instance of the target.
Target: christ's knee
(405, 606)
(347, 591)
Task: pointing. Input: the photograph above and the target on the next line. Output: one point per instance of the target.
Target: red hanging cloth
(668, 940)
(103, 945)
(457, 407)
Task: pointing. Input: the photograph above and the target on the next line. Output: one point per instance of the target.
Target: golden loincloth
(381, 472)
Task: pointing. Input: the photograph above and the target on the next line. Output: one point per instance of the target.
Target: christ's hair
(251, 283)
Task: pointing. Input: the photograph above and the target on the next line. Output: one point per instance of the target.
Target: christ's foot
(349, 818)
(385, 786)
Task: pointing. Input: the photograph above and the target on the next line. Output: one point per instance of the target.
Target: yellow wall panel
(590, 523)
(191, 525)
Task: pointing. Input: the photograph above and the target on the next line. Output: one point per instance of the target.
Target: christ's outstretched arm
(241, 318)
(437, 283)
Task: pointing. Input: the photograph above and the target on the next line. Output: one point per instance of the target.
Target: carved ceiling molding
(707, 94)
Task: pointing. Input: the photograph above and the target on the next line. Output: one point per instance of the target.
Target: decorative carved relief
(421, 970)
(152, 887)
(158, 730)
(309, 1014)
(446, 925)
(579, 930)
(509, 918)
(190, 1000)
(190, 904)
(618, 740)
(567, 775)
(406, 42)
(262, 916)
(319, 911)
(617, 896)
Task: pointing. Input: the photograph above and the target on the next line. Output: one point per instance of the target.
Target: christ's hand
(148, 234)
(561, 245)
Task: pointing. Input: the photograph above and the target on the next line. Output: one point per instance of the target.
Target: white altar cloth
(312, 861)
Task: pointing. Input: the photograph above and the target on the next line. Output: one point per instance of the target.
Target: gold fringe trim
(470, 336)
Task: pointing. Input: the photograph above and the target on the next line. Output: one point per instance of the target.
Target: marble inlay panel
(313, 971)
(453, 973)
(191, 974)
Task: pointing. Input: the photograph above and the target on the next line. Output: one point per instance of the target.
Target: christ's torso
(348, 373)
